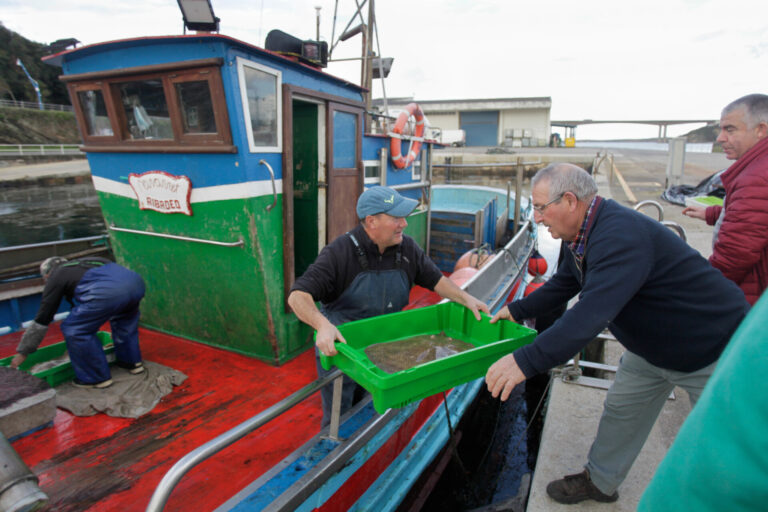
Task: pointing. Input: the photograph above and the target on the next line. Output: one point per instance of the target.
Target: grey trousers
(632, 405)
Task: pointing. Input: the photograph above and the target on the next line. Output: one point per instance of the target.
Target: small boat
(222, 169)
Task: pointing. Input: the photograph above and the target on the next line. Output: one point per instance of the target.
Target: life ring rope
(395, 144)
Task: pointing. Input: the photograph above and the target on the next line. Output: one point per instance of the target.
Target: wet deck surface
(100, 463)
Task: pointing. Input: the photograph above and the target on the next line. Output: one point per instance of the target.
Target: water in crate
(396, 356)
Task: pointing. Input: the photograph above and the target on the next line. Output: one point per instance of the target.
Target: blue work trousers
(107, 293)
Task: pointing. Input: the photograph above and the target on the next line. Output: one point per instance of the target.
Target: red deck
(100, 463)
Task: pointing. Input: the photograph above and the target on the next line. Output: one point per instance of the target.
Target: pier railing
(39, 149)
(34, 105)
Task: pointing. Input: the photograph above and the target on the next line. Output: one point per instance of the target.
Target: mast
(367, 64)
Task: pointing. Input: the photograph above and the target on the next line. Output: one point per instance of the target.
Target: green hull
(236, 299)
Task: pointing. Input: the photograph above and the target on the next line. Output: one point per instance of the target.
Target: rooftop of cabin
(101, 56)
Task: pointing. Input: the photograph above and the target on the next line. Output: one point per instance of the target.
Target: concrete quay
(71, 171)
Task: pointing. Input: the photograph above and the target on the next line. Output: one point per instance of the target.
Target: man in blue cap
(366, 272)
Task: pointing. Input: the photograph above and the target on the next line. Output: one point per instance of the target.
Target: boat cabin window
(95, 113)
(372, 171)
(261, 88)
(180, 109)
(144, 109)
(196, 107)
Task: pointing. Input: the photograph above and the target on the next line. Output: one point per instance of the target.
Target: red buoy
(535, 284)
(513, 292)
(537, 264)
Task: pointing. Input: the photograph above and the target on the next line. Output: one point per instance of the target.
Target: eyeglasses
(540, 209)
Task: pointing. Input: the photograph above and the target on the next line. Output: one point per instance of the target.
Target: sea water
(36, 214)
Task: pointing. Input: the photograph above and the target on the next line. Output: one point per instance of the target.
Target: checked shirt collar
(579, 244)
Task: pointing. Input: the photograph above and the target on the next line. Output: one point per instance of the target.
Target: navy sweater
(660, 298)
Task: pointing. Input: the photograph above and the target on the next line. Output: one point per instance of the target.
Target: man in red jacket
(740, 248)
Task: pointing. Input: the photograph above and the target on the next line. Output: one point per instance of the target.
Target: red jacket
(741, 250)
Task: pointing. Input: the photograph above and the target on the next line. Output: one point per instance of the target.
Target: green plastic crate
(62, 373)
(392, 390)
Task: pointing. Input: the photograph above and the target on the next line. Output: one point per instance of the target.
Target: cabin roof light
(198, 15)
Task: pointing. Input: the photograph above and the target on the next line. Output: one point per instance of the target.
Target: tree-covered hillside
(14, 84)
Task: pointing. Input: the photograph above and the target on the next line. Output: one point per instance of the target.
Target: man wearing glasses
(672, 311)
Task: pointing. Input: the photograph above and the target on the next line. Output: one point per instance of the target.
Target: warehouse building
(514, 122)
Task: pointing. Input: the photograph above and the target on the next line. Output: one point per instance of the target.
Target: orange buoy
(462, 275)
(537, 265)
(398, 160)
(474, 258)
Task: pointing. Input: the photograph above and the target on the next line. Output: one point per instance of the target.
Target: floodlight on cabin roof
(198, 15)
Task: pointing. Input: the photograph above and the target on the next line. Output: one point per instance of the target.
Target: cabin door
(322, 174)
(345, 173)
(309, 172)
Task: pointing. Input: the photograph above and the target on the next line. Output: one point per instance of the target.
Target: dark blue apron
(371, 293)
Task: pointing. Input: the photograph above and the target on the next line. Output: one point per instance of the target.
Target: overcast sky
(596, 59)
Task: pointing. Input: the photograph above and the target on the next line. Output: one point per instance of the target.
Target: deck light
(198, 15)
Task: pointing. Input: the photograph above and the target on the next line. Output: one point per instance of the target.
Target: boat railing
(22, 258)
(195, 457)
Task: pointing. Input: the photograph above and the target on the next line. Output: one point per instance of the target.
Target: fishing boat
(222, 169)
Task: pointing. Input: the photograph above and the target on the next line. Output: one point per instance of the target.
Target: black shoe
(134, 368)
(576, 488)
(98, 385)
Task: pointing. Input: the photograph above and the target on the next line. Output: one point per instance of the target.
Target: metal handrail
(195, 457)
(676, 227)
(411, 186)
(651, 202)
(274, 187)
(177, 237)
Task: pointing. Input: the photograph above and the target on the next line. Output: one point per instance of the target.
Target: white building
(512, 122)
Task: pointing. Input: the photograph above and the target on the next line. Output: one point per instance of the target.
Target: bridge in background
(570, 126)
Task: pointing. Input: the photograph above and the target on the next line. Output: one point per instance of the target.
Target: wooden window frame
(217, 102)
(207, 70)
(76, 88)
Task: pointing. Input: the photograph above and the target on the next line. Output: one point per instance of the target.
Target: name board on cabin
(162, 192)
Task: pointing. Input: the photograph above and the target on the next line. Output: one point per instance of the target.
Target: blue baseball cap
(377, 200)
